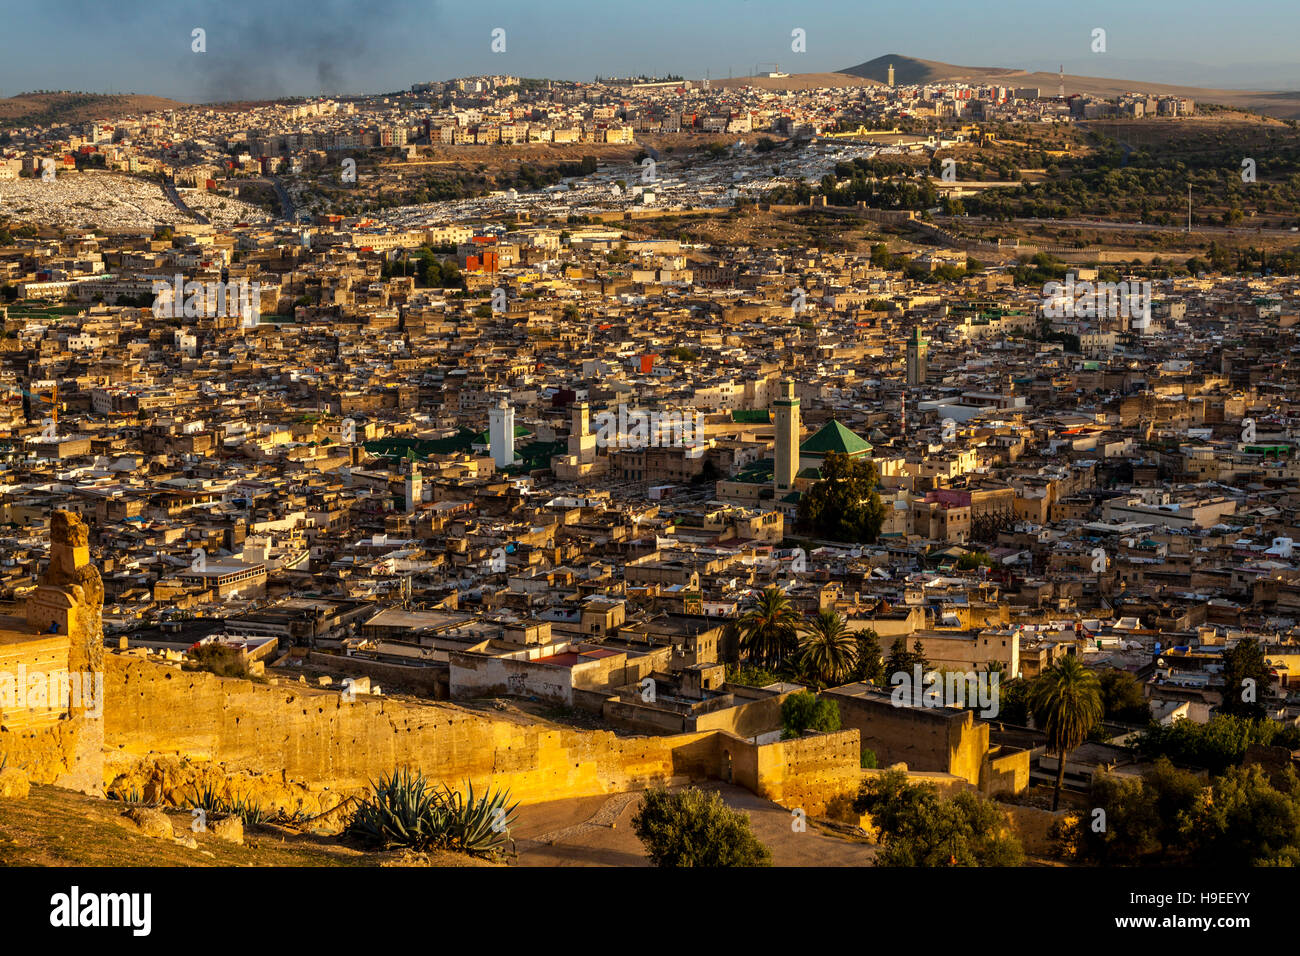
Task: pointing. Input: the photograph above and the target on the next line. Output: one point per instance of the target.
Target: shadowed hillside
(909, 71)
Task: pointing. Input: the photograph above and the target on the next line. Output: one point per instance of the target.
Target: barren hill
(915, 71)
(44, 109)
(910, 71)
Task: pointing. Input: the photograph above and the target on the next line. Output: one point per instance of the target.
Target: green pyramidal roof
(835, 437)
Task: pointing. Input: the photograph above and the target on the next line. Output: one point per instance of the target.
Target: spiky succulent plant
(403, 809)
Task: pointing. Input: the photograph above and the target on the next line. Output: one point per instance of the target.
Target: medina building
(795, 466)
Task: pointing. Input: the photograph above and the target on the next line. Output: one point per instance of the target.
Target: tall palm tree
(828, 650)
(1066, 703)
(767, 629)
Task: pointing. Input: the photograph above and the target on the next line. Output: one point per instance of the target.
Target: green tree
(901, 660)
(844, 505)
(1243, 820)
(1066, 703)
(1216, 745)
(1142, 821)
(919, 828)
(1013, 701)
(828, 650)
(918, 655)
(1246, 680)
(870, 666)
(1122, 698)
(767, 629)
(804, 711)
(695, 828)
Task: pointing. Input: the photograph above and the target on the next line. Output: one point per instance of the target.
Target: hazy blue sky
(296, 47)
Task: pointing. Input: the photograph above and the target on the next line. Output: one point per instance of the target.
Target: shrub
(803, 711)
(220, 659)
(1216, 745)
(1243, 818)
(695, 828)
(920, 828)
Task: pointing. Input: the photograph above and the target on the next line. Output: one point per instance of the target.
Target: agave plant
(132, 795)
(402, 810)
(479, 826)
(249, 813)
(207, 797)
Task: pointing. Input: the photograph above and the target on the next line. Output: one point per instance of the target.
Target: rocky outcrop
(150, 822)
(14, 784)
(175, 781)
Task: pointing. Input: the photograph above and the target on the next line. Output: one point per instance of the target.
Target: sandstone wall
(26, 669)
(932, 739)
(1005, 771)
(313, 737)
(68, 753)
(1032, 827)
(809, 772)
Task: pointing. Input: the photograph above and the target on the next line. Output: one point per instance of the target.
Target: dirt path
(597, 831)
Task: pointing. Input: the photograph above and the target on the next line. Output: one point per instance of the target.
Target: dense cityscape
(893, 467)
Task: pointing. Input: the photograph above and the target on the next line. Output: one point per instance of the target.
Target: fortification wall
(51, 695)
(932, 739)
(316, 738)
(68, 753)
(807, 772)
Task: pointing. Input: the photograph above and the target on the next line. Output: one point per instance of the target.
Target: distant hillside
(909, 71)
(44, 109)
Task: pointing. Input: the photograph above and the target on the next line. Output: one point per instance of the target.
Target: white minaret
(414, 489)
(501, 434)
(582, 443)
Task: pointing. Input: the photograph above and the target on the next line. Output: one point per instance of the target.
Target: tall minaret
(787, 440)
(501, 434)
(891, 74)
(916, 355)
(582, 443)
(414, 489)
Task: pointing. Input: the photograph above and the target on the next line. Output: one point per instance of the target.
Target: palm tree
(828, 650)
(1066, 703)
(767, 629)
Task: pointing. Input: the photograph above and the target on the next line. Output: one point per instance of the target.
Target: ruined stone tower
(70, 596)
(52, 669)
